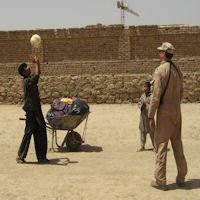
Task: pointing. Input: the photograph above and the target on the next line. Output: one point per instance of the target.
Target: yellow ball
(35, 41)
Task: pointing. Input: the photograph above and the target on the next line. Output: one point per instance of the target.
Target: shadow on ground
(190, 184)
(82, 148)
(89, 148)
(150, 149)
(56, 161)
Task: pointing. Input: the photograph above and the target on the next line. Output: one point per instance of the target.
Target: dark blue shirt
(31, 94)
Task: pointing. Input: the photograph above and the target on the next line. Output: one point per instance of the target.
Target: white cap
(167, 47)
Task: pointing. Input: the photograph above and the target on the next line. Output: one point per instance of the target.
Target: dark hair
(168, 55)
(148, 84)
(21, 68)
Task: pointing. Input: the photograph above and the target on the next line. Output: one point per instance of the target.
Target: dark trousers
(35, 124)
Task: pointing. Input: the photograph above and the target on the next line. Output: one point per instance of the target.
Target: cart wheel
(73, 141)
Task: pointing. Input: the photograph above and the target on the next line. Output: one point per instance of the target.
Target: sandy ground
(107, 167)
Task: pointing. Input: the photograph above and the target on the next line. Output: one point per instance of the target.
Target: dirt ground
(107, 167)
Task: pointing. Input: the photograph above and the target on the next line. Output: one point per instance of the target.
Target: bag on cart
(58, 105)
(59, 109)
(79, 107)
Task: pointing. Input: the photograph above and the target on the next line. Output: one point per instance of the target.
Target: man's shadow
(56, 161)
(89, 148)
(190, 184)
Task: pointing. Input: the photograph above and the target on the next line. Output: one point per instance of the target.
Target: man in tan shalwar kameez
(168, 121)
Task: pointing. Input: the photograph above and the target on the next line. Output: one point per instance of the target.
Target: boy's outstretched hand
(34, 59)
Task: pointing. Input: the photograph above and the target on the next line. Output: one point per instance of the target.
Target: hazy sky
(43, 14)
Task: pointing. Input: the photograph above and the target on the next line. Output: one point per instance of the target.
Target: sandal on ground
(154, 184)
(179, 183)
(20, 160)
(141, 149)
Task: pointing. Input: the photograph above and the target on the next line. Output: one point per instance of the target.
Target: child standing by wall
(144, 126)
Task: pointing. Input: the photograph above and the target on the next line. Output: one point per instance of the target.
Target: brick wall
(145, 40)
(100, 43)
(142, 66)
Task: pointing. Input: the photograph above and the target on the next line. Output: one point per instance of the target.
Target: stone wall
(93, 88)
(100, 64)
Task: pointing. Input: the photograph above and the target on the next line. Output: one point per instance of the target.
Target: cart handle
(47, 124)
(21, 118)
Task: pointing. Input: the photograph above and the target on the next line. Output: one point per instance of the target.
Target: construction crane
(121, 5)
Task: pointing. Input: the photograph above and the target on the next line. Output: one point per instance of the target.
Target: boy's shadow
(190, 184)
(55, 161)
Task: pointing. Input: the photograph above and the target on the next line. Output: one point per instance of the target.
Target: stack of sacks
(67, 106)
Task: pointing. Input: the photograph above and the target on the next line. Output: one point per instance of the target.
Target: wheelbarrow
(72, 139)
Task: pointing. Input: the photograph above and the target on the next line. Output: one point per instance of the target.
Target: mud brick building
(100, 64)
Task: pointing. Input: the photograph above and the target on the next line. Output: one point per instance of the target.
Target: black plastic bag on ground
(79, 107)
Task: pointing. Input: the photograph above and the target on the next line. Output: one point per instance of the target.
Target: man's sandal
(159, 187)
(179, 183)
